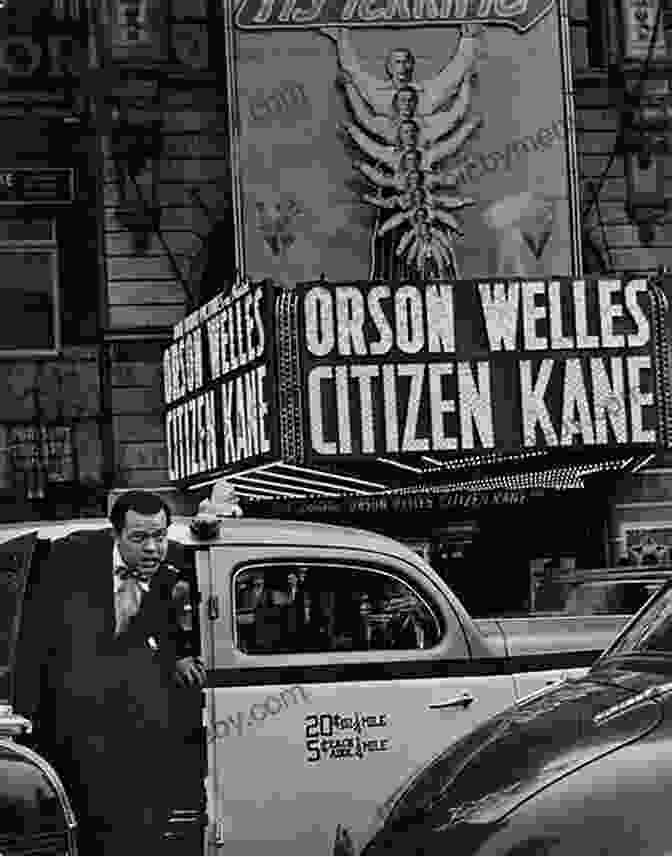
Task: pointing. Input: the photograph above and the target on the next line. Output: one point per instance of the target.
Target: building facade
(122, 107)
(50, 402)
(114, 220)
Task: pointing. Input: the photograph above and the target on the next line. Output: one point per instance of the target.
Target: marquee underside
(536, 469)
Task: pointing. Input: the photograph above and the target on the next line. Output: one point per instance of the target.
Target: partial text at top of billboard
(384, 139)
(519, 14)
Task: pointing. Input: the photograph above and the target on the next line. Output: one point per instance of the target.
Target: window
(598, 28)
(300, 607)
(590, 35)
(652, 632)
(29, 322)
(593, 593)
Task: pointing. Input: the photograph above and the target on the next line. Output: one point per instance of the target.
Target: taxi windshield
(650, 632)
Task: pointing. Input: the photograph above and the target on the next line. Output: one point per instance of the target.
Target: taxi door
(331, 679)
(206, 605)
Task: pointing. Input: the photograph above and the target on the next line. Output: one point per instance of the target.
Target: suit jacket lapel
(90, 603)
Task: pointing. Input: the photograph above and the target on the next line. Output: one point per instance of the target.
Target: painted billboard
(397, 139)
(219, 386)
(453, 369)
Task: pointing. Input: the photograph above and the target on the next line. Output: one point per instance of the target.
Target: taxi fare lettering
(325, 738)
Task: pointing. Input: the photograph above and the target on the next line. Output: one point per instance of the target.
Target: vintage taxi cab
(338, 663)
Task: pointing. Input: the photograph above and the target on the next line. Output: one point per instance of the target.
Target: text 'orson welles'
(216, 386)
(463, 366)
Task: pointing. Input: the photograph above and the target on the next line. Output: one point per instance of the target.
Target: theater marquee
(341, 383)
(457, 368)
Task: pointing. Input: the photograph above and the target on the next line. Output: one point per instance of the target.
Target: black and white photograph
(336, 427)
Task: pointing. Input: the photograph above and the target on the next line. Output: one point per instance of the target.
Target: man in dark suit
(103, 663)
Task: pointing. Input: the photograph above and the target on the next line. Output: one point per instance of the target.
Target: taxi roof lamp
(223, 503)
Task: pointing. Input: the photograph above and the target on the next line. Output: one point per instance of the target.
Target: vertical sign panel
(220, 389)
(390, 139)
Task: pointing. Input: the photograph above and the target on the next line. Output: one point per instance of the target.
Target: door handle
(463, 701)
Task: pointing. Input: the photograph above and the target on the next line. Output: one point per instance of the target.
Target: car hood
(519, 752)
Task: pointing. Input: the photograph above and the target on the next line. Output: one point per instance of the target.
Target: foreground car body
(35, 813)
(315, 709)
(583, 768)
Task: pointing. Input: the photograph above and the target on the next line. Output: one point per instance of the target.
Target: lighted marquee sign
(450, 368)
(219, 392)
(387, 502)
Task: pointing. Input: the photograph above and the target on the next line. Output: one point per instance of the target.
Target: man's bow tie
(126, 573)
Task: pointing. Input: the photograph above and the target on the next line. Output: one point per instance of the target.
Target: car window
(651, 631)
(593, 593)
(322, 607)
(595, 598)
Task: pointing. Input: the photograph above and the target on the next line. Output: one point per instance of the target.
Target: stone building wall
(51, 459)
(643, 500)
(155, 270)
(607, 226)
